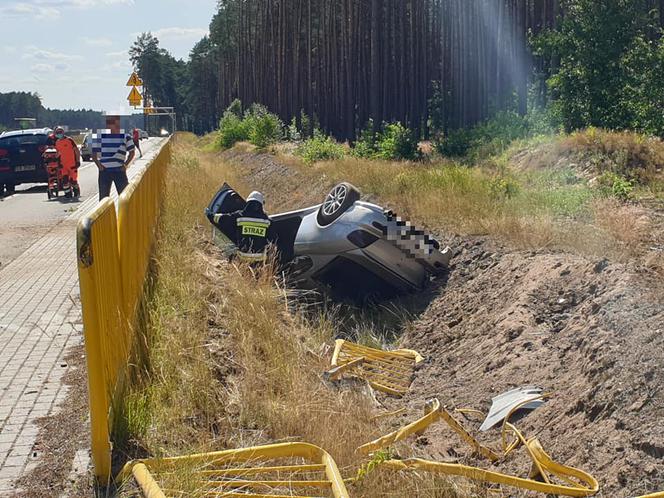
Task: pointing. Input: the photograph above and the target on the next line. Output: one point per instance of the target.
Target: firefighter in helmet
(251, 225)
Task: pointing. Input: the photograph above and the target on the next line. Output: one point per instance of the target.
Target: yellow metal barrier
(575, 482)
(138, 210)
(113, 256)
(387, 371)
(103, 321)
(260, 471)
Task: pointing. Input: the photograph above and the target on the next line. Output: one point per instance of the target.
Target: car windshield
(20, 140)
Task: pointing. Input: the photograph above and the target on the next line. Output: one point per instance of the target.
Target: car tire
(337, 202)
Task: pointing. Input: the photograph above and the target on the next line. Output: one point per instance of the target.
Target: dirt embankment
(590, 332)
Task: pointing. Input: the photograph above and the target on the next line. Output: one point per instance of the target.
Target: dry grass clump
(592, 152)
(630, 154)
(232, 362)
(628, 224)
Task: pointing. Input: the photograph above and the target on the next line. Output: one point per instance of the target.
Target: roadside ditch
(589, 331)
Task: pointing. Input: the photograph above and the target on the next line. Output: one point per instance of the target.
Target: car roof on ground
(33, 131)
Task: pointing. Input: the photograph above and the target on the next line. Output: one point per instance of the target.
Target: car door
(225, 201)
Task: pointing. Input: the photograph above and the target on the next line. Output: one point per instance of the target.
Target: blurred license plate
(29, 167)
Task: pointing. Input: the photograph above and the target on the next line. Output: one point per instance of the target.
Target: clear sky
(73, 53)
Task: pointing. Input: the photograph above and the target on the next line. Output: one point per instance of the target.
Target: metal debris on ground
(526, 398)
(391, 372)
(271, 471)
(546, 475)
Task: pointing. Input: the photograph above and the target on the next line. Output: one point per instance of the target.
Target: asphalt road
(26, 215)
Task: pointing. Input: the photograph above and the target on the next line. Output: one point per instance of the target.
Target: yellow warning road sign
(135, 97)
(134, 80)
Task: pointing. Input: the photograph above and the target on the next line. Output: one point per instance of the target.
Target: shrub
(292, 131)
(397, 142)
(307, 125)
(232, 129)
(365, 147)
(610, 66)
(455, 143)
(394, 142)
(265, 128)
(320, 148)
(612, 184)
(502, 187)
(258, 125)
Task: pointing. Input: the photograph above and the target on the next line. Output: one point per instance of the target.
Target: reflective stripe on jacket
(250, 257)
(252, 235)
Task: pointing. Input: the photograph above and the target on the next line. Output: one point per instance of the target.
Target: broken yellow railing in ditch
(113, 256)
(569, 481)
(391, 372)
(271, 471)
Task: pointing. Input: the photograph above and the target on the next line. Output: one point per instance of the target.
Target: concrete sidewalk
(40, 320)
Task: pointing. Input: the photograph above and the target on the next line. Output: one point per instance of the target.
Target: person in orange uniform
(70, 157)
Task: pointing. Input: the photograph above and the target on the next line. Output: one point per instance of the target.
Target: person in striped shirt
(112, 151)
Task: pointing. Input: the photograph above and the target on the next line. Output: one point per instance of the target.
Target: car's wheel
(337, 202)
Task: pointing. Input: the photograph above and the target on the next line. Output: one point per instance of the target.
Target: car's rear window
(19, 140)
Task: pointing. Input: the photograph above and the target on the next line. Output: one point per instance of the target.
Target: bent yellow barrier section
(434, 412)
(113, 255)
(391, 372)
(478, 474)
(148, 485)
(577, 482)
(219, 473)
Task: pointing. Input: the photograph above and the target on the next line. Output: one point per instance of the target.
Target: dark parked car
(21, 158)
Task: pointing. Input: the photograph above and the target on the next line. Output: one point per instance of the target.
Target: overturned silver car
(355, 248)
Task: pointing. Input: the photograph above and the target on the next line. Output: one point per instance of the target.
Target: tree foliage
(434, 65)
(29, 105)
(611, 65)
(166, 80)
